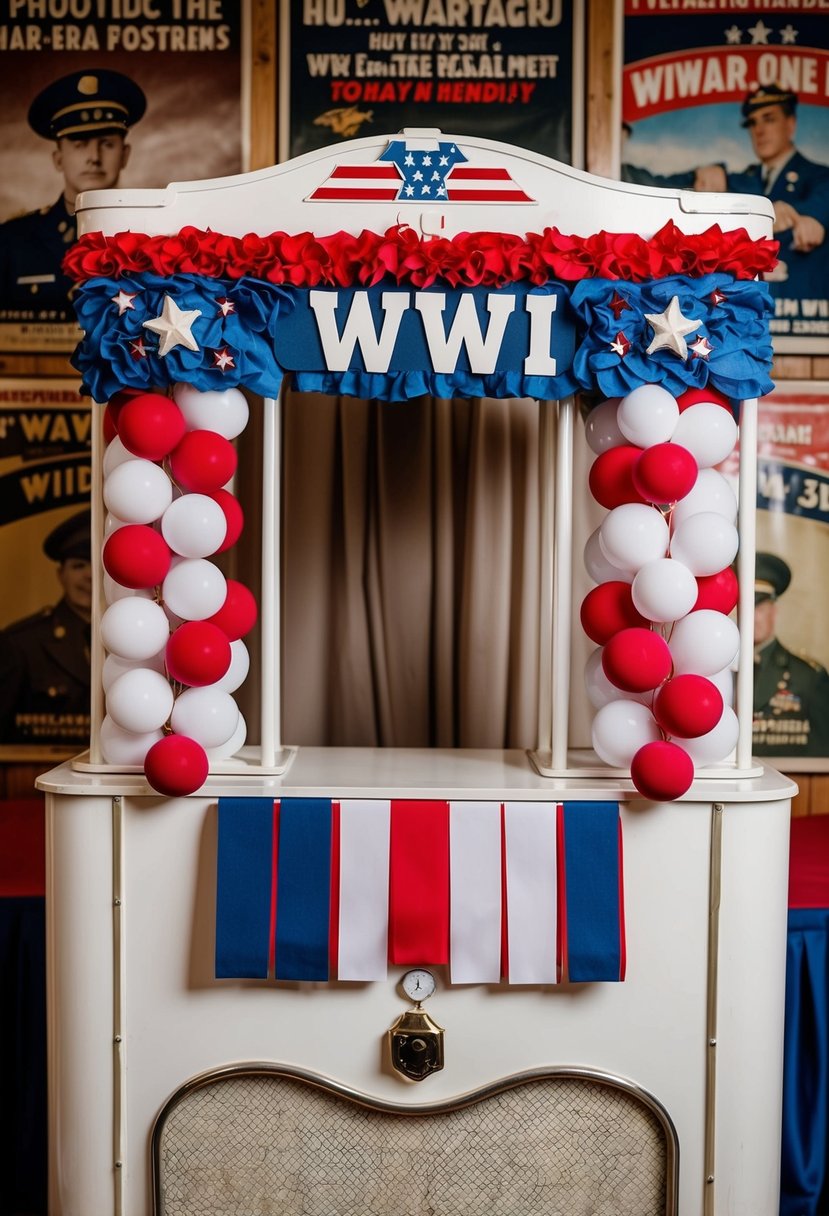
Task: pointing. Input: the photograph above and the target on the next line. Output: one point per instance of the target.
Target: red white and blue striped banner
(314, 889)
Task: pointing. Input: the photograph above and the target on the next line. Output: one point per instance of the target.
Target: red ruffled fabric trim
(470, 259)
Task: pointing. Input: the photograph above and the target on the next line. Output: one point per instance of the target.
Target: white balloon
(112, 524)
(620, 728)
(194, 525)
(597, 565)
(648, 415)
(234, 743)
(724, 680)
(237, 672)
(703, 642)
(138, 491)
(711, 492)
(718, 743)
(115, 454)
(706, 543)
(140, 700)
(633, 535)
(115, 666)
(664, 590)
(134, 628)
(205, 714)
(601, 427)
(114, 591)
(224, 411)
(599, 689)
(124, 746)
(708, 431)
(194, 589)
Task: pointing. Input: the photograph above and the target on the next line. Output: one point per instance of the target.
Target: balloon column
(660, 678)
(173, 625)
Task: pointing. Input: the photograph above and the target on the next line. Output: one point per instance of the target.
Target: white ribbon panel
(475, 869)
(364, 889)
(531, 891)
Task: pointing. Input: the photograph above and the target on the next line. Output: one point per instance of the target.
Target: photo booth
(603, 917)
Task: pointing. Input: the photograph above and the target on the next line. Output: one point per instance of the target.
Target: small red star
(618, 305)
(701, 349)
(717, 297)
(137, 349)
(226, 306)
(620, 346)
(223, 359)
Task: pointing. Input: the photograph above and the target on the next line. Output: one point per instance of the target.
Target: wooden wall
(17, 778)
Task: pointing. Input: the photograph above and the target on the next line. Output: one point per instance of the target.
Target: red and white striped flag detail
(420, 171)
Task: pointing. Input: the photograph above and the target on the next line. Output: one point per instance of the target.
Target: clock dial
(418, 984)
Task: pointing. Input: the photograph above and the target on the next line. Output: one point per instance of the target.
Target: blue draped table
(805, 1173)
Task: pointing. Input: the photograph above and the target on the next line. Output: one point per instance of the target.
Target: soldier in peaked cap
(88, 115)
(44, 659)
(791, 693)
(797, 187)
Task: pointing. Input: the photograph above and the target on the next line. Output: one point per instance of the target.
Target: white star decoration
(760, 33)
(226, 306)
(173, 327)
(733, 35)
(670, 328)
(124, 300)
(788, 34)
(620, 345)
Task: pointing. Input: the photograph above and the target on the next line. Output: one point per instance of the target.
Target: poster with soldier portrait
(736, 97)
(791, 628)
(96, 94)
(45, 611)
(510, 71)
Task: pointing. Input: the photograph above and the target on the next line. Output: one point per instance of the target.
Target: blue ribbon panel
(303, 889)
(592, 867)
(243, 887)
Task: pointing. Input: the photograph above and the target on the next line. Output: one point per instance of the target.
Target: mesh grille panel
(272, 1146)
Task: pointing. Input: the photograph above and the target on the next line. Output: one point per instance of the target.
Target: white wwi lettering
(359, 329)
(482, 349)
(466, 328)
(539, 362)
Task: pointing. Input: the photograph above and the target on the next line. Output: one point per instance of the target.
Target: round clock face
(418, 984)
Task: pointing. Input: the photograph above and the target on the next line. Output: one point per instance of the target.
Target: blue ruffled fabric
(736, 328)
(105, 358)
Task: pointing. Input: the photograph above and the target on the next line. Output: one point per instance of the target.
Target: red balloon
(137, 556)
(610, 478)
(665, 472)
(607, 609)
(198, 653)
(203, 461)
(718, 592)
(176, 766)
(234, 516)
(693, 396)
(660, 771)
(119, 400)
(636, 660)
(238, 613)
(150, 426)
(688, 706)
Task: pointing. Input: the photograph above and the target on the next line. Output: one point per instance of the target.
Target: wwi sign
(733, 96)
(504, 69)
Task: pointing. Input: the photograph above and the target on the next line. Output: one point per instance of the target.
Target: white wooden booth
(660, 1094)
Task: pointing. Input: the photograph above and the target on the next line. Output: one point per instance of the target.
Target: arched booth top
(425, 263)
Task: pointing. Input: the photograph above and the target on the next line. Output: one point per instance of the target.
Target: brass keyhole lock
(415, 1039)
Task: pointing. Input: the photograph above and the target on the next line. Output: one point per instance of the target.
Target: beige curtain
(411, 572)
